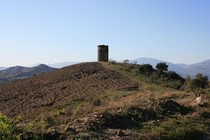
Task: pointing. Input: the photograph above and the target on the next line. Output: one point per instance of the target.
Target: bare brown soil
(30, 97)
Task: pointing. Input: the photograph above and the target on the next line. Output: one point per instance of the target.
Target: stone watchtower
(103, 53)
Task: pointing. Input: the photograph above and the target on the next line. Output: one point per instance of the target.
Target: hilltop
(104, 101)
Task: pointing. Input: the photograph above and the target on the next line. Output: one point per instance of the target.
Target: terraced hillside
(32, 96)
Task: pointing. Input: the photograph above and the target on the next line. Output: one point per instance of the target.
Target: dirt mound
(169, 107)
(59, 88)
(122, 118)
(119, 121)
(126, 117)
(111, 123)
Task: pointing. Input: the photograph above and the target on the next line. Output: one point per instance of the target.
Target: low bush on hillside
(7, 129)
(33, 131)
(96, 102)
(146, 72)
(124, 118)
(199, 84)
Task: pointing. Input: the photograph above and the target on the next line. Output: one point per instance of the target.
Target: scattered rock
(201, 101)
(120, 133)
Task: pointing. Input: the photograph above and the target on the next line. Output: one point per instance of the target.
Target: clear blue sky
(50, 31)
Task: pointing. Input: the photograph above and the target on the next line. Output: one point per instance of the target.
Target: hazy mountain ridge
(182, 69)
(20, 72)
(62, 64)
(2, 68)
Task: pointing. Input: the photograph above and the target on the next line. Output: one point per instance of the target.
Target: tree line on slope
(166, 78)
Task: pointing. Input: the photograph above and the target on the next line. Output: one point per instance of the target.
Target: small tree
(145, 69)
(162, 67)
(199, 83)
(126, 61)
(173, 75)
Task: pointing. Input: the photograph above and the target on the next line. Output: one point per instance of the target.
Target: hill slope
(59, 88)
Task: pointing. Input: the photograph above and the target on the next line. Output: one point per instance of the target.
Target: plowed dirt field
(32, 96)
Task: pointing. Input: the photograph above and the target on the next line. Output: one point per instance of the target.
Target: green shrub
(35, 130)
(37, 126)
(146, 69)
(7, 129)
(96, 102)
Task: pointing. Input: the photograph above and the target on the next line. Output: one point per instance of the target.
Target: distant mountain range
(2, 68)
(182, 69)
(62, 64)
(19, 72)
